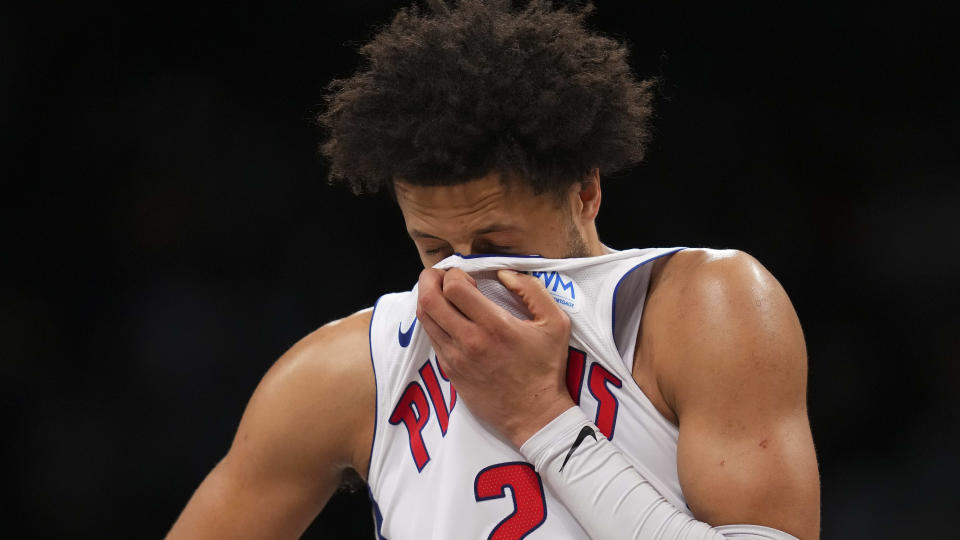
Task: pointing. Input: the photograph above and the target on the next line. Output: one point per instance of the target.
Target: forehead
(479, 194)
(486, 199)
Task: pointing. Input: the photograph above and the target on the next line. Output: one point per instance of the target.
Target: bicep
(299, 433)
(738, 384)
(759, 474)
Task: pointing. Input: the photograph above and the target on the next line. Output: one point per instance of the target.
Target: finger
(533, 294)
(439, 338)
(458, 273)
(431, 301)
(461, 290)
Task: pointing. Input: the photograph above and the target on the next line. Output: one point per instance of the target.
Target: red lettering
(607, 403)
(414, 412)
(529, 503)
(436, 396)
(576, 362)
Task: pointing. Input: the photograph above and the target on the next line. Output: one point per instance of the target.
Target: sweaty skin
(298, 435)
(720, 353)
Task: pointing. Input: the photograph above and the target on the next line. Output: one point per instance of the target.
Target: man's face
(490, 216)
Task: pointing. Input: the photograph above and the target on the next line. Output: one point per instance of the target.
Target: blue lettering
(547, 278)
(565, 286)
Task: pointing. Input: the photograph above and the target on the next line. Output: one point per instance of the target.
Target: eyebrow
(485, 230)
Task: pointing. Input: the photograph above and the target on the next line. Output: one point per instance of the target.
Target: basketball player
(535, 383)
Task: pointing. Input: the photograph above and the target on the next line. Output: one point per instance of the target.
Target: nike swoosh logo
(404, 337)
(586, 431)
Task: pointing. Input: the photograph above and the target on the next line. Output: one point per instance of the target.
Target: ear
(589, 195)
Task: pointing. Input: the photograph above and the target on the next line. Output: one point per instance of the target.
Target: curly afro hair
(450, 94)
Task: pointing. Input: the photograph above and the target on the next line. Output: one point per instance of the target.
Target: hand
(510, 372)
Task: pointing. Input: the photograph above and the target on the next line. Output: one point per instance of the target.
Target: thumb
(533, 294)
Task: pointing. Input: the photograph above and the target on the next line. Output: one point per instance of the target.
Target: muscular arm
(299, 433)
(720, 352)
(727, 355)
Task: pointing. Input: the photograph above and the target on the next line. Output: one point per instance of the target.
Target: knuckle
(430, 276)
(472, 345)
(453, 286)
(445, 364)
(426, 301)
(455, 275)
(447, 282)
(563, 322)
(497, 325)
(452, 359)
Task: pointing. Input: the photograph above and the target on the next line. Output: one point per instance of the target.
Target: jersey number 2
(526, 488)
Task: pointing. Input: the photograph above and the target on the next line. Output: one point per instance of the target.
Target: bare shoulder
(707, 287)
(727, 353)
(310, 418)
(712, 271)
(321, 389)
(720, 312)
(338, 348)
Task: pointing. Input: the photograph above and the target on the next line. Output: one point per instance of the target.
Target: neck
(594, 246)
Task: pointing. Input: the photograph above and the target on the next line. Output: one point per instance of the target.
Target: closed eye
(491, 248)
(485, 248)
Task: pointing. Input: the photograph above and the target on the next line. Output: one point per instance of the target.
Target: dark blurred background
(169, 232)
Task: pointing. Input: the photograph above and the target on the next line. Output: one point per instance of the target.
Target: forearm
(609, 496)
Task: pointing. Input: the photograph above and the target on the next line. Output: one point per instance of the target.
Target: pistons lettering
(599, 381)
(413, 411)
(436, 396)
(607, 403)
(576, 363)
(413, 407)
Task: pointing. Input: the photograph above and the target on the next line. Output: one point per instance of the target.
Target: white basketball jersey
(436, 472)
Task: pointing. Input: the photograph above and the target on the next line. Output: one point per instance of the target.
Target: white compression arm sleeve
(608, 496)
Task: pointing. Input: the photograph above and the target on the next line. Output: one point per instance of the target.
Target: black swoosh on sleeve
(584, 433)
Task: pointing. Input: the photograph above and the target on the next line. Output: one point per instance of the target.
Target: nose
(463, 248)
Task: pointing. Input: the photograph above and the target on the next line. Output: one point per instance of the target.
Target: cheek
(558, 236)
(548, 240)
